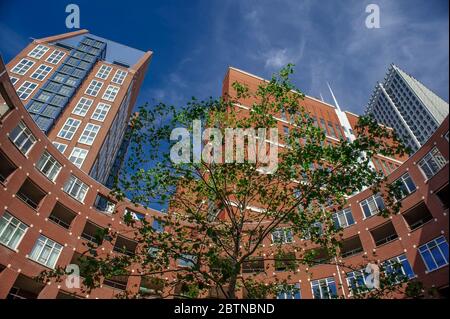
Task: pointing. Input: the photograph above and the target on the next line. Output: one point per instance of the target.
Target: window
(46, 251)
(406, 185)
(134, 215)
(431, 163)
(22, 67)
(69, 128)
(158, 226)
(26, 89)
(119, 77)
(94, 87)
(60, 146)
(417, 216)
(435, 253)
(289, 292)
(100, 112)
(82, 106)
(282, 236)
(398, 268)
(78, 156)
(89, 134)
(110, 93)
(103, 72)
(372, 205)
(186, 260)
(324, 288)
(356, 280)
(13, 80)
(12, 231)
(38, 51)
(104, 205)
(41, 72)
(55, 57)
(49, 166)
(76, 188)
(22, 137)
(343, 218)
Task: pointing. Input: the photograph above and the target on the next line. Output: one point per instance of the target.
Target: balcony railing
(351, 252)
(58, 221)
(386, 240)
(27, 200)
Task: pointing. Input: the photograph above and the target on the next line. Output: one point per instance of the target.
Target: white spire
(334, 98)
(321, 97)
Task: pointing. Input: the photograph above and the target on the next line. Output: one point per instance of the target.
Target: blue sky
(195, 41)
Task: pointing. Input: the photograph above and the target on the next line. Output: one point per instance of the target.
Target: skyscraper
(406, 105)
(80, 89)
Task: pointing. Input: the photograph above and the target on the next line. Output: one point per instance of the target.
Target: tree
(220, 212)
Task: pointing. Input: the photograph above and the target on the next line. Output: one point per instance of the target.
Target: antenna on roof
(334, 98)
(321, 97)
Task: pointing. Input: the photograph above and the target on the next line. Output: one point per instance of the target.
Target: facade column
(7, 279)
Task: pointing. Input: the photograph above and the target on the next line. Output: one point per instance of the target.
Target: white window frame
(119, 77)
(55, 57)
(24, 91)
(101, 111)
(368, 200)
(284, 234)
(318, 282)
(402, 179)
(24, 130)
(103, 72)
(89, 134)
(78, 194)
(48, 166)
(425, 246)
(60, 146)
(110, 93)
(68, 130)
(434, 156)
(41, 72)
(83, 106)
(18, 226)
(46, 244)
(78, 154)
(94, 88)
(38, 51)
(343, 214)
(23, 66)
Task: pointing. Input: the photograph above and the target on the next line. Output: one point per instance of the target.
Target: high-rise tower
(406, 105)
(80, 89)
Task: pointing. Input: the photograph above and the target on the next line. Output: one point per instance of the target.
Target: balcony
(92, 233)
(384, 234)
(116, 282)
(443, 196)
(319, 256)
(125, 246)
(285, 261)
(417, 216)
(253, 264)
(31, 194)
(6, 168)
(25, 288)
(351, 246)
(62, 216)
